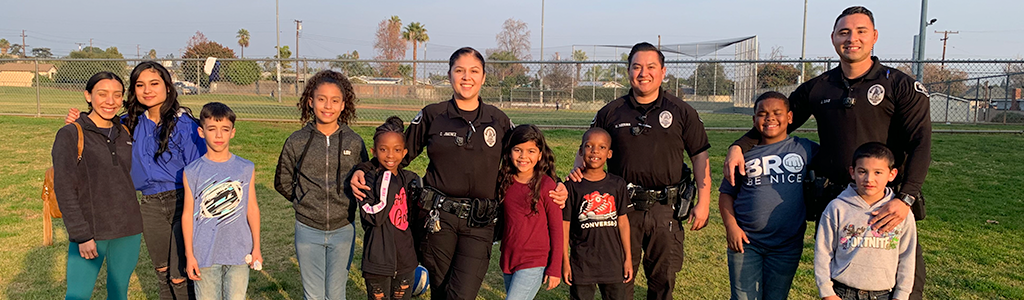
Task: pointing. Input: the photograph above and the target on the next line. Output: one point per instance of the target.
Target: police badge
(875, 94)
(665, 119)
(490, 137)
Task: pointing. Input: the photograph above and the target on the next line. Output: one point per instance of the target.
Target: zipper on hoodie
(327, 180)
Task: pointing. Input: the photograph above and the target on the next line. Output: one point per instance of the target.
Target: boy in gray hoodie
(852, 260)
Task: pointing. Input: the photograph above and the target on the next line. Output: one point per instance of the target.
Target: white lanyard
(385, 183)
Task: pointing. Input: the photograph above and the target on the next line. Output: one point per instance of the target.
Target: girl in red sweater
(531, 255)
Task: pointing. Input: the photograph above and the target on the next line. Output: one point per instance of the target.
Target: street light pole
(277, 4)
(540, 72)
(803, 47)
(920, 40)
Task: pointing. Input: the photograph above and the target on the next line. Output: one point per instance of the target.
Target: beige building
(20, 74)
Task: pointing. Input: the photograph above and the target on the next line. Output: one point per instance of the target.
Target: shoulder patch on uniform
(490, 137)
(416, 119)
(665, 119)
(875, 94)
(919, 87)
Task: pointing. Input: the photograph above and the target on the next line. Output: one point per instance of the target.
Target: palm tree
(4, 45)
(578, 55)
(243, 40)
(415, 33)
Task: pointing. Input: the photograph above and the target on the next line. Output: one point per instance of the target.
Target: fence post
(977, 99)
(39, 106)
(199, 80)
(947, 102)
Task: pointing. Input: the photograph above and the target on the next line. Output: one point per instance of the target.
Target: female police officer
(463, 140)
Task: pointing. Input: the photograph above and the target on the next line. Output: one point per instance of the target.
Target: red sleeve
(554, 215)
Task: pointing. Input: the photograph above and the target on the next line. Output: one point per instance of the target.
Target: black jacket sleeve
(67, 183)
(416, 136)
(914, 116)
(285, 167)
(799, 104)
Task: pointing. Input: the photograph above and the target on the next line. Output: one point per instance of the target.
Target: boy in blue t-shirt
(764, 215)
(220, 219)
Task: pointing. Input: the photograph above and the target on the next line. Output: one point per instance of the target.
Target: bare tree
(389, 45)
(514, 38)
(559, 76)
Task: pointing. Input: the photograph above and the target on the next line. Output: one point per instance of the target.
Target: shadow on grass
(37, 278)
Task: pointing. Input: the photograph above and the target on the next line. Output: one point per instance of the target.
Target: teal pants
(121, 254)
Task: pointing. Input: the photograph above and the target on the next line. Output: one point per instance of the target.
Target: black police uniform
(465, 152)
(650, 143)
(885, 105)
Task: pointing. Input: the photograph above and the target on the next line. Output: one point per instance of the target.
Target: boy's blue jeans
(222, 282)
(760, 273)
(324, 260)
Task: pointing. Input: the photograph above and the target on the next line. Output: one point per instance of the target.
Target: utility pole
(138, 51)
(24, 47)
(90, 43)
(945, 37)
(298, 70)
(277, 4)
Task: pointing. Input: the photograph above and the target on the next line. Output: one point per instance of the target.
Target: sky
(988, 29)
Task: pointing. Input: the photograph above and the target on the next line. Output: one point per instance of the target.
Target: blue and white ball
(421, 281)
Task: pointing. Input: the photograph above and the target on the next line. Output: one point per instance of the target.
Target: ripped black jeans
(161, 228)
(389, 288)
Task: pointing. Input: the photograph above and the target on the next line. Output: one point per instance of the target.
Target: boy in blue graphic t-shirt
(764, 213)
(220, 220)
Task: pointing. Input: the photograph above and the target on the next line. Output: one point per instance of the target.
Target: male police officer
(863, 101)
(650, 131)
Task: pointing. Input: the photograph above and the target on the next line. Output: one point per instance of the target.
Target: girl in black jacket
(95, 193)
(389, 257)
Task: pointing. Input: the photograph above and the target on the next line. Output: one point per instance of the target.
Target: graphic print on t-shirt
(868, 237)
(774, 169)
(400, 211)
(221, 200)
(598, 207)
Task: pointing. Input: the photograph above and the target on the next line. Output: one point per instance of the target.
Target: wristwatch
(907, 198)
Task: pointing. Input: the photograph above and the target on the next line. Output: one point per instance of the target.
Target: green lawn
(973, 179)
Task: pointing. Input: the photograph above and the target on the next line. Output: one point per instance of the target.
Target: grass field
(973, 179)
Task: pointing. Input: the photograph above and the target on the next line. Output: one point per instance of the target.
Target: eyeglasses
(641, 127)
(460, 141)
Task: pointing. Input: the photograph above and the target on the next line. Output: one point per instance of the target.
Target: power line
(945, 37)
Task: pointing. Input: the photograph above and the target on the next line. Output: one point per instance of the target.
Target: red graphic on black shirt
(597, 207)
(400, 211)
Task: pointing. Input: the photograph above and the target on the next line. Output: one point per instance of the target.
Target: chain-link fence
(553, 93)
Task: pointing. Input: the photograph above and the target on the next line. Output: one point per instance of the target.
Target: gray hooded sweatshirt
(849, 251)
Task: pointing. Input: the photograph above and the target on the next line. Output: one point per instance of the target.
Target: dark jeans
(456, 257)
(380, 287)
(161, 227)
(660, 237)
(848, 293)
(609, 291)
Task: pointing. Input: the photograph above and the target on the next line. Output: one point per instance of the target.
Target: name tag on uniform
(447, 133)
(620, 125)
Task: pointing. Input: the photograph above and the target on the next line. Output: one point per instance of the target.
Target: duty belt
(479, 212)
(644, 199)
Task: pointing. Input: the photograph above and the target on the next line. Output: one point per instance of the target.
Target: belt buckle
(463, 210)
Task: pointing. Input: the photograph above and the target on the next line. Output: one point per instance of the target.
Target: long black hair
(545, 166)
(101, 76)
(168, 110)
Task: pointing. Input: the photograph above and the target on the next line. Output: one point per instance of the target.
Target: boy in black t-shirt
(598, 230)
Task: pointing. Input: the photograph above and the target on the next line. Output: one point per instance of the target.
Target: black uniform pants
(457, 257)
(609, 291)
(382, 287)
(660, 237)
(917, 293)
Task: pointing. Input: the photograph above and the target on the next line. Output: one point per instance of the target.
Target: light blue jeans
(523, 284)
(324, 260)
(760, 273)
(222, 282)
